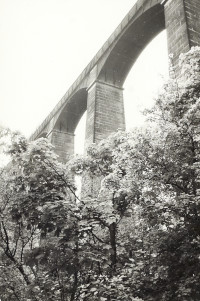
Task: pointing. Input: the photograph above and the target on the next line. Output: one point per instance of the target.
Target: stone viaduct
(99, 88)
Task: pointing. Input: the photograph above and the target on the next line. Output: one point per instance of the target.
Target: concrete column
(182, 18)
(105, 111)
(64, 144)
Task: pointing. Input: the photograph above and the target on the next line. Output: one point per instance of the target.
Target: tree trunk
(113, 256)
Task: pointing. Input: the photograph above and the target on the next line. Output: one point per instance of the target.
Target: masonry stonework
(182, 20)
(99, 88)
(105, 111)
(64, 144)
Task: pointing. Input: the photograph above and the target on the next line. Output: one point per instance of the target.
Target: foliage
(135, 232)
(36, 202)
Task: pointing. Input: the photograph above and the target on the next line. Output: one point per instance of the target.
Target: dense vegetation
(135, 232)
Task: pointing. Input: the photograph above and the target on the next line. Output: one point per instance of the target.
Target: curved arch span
(130, 44)
(72, 112)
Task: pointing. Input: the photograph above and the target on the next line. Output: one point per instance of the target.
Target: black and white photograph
(100, 150)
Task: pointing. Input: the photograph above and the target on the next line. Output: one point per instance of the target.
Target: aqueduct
(99, 88)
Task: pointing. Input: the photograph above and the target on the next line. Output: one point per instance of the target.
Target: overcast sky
(45, 44)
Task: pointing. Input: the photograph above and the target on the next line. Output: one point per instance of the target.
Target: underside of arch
(72, 112)
(130, 44)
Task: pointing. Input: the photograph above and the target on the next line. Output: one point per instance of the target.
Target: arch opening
(62, 135)
(130, 45)
(72, 112)
(79, 139)
(79, 146)
(145, 79)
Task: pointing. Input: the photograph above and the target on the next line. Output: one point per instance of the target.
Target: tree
(36, 202)
(135, 232)
(149, 196)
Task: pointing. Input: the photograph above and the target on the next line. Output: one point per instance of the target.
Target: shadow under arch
(72, 112)
(130, 44)
(62, 134)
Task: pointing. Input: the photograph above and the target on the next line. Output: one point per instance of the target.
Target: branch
(99, 239)
(63, 179)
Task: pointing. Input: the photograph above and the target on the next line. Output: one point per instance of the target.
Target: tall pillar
(182, 18)
(105, 115)
(64, 144)
(105, 111)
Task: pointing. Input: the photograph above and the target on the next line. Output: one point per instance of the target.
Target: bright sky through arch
(45, 46)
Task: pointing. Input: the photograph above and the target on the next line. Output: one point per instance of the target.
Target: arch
(99, 86)
(130, 44)
(72, 112)
(112, 62)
